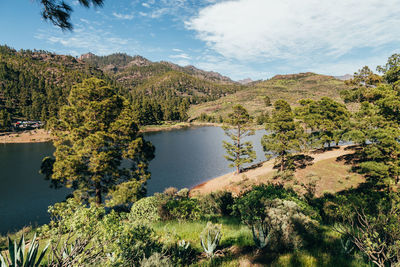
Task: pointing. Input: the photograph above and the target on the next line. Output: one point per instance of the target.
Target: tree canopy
(285, 135)
(95, 132)
(326, 119)
(59, 12)
(239, 152)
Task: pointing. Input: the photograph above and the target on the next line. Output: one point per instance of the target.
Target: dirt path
(232, 181)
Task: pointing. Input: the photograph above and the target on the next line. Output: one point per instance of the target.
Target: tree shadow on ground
(325, 149)
(296, 162)
(324, 252)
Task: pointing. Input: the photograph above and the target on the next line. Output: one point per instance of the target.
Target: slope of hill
(140, 74)
(291, 88)
(34, 84)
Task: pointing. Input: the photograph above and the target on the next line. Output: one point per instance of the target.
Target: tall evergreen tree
(326, 119)
(238, 152)
(285, 135)
(94, 134)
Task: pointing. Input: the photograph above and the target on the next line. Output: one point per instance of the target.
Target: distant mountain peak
(139, 61)
(245, 81)
(344, 77)
(86, 56)
(293, 76)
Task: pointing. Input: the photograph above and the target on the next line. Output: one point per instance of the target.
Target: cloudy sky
(238, 38)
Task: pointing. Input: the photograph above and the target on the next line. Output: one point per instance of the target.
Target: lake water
(184, 158)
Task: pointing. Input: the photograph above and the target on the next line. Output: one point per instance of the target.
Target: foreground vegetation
(107, 221)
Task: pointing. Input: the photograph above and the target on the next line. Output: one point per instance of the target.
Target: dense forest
(35, 84)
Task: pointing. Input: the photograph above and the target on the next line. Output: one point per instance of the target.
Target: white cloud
(87, 38)
(123, 16)
(266, 30)
(181, 56)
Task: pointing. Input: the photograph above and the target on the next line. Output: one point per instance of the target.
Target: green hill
(291, 88)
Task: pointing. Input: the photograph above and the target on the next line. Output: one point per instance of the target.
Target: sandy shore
(41, 135)
(32, 136)
(263, 174)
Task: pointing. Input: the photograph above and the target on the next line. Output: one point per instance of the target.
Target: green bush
(276, 215)
(182, 253)
(215, 204)
(145, 210)
(290, 228)
(183, 209)
(156, 260)
(134, 241)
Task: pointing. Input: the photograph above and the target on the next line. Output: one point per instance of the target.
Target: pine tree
(94, 134)
(285, 135)
(325, 118)
(239, 152)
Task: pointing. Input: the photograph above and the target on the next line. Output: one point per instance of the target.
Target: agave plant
(210, 238)
(347, 245)
(16, 256)
(261, 235)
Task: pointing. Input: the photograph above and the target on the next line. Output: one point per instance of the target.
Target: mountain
(344, 77)
(142, 75)
(291, 88)
(35, 84)
(245, 81)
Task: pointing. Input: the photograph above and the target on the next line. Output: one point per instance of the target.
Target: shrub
(134, 241)
(183, 209)
(183, 193)
(170, 191)
(124, 194)
(145, 210)
(290, 227)
(215, 204)
(275, 215)
(156, 260)
(182, 253)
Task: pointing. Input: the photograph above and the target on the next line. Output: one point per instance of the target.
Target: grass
(291, 88)
(239, 249)
(233, 232)
(330, 175)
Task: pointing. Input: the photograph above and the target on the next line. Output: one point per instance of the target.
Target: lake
(183, 158)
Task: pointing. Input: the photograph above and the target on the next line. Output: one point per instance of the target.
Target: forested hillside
(34, 84)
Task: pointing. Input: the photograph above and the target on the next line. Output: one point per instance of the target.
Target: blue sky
(240, 38)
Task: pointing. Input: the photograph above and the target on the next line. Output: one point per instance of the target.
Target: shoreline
(25, 137)
(263, 172)
(43, 136)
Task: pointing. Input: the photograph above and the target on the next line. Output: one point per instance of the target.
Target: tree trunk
(98, 194)
(237, 152)
(282, 162)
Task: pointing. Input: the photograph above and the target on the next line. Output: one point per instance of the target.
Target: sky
(254, 39)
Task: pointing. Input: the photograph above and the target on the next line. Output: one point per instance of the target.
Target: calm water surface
(184, 158)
